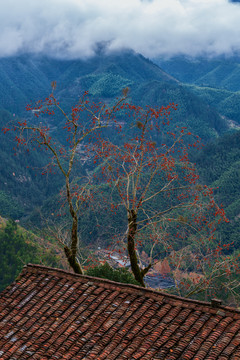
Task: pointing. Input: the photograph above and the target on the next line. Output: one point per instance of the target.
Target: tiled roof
(53, 314)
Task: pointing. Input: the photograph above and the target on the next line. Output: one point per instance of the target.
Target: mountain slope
(29, 78)
(215, 81)
(26, 79)
(22, 187)
(224, 101)
(219, 166)
(217, 72)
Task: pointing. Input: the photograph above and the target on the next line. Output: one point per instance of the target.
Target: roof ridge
(154, 294)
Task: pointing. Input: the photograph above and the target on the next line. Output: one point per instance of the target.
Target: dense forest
(34, 200)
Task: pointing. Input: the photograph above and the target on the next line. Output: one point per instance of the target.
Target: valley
(207, 94)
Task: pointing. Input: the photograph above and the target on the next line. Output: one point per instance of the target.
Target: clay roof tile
(54, 314)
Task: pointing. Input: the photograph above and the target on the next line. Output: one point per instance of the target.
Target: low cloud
(74, 28)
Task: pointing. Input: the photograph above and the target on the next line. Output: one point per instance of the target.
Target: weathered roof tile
(53, 314)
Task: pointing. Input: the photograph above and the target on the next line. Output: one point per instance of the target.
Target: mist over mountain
(73, 29)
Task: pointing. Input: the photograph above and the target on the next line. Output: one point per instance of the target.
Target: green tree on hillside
(17, 250)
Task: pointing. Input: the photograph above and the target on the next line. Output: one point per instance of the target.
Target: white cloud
(72, 28)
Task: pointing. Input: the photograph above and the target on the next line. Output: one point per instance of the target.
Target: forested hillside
(219, 166)
(19, 247)
(22, 188)
(34, 199)
(216, 81)
(221, 72)
(26, 79)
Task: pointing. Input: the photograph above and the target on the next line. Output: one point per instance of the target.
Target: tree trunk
(73, 261)
(71, 253)
(132, 229)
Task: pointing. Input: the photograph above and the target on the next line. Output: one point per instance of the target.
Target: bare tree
(85, 120)
(156, 182)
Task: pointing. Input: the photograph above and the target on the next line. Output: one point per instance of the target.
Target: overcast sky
(72, 28)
